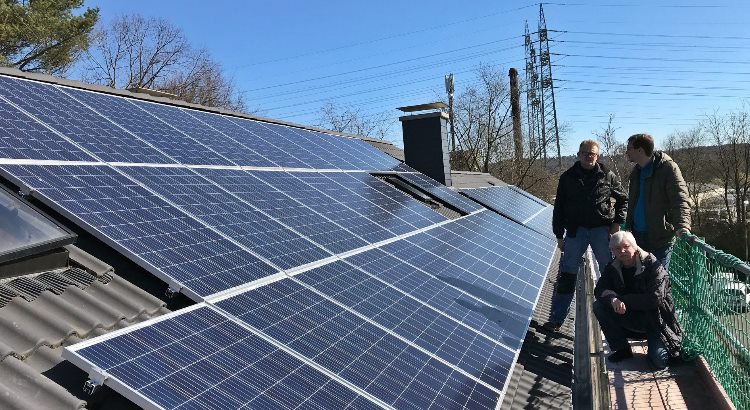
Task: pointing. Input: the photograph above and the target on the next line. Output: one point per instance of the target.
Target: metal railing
(590, 389)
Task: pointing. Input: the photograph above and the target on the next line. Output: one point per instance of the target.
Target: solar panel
(89, 130)
(289, 212)
(356, 350)
(262, 144)
(164, 240)
(285, 140)
(441, 191)
(475, 353)
(22, 137)
(392, 208)
(215, 207)
(516, 205)
(353, 154)
(212, 138)
(158, 134)
(200, 359)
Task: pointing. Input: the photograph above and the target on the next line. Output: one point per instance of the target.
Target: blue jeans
(573, 250)
(663, 254)
(614, 324)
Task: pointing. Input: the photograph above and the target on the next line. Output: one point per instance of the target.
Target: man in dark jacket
(633, 296)
(583, 216)
(659, 203)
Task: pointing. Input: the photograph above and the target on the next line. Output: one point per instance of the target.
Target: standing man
(583, 216)
(659, 203)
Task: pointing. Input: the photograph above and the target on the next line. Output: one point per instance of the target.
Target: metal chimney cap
(438, 105)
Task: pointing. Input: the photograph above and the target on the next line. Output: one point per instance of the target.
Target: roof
(89, 298)
(56, 309)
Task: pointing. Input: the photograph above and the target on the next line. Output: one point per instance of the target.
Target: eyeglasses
(588, 154)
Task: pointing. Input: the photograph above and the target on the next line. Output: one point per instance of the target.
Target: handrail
(590, 388)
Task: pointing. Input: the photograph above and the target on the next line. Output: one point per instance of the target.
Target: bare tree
(613, 150)
(484, 132)
(351, 120)
(687, 148)
(134, 51)
(731, 162)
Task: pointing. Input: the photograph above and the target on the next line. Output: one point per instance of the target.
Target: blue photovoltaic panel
(426, 327)
(283, 208)
(515, 205)
(348, 153)
(94, 133)
(210, 137)
(542, 222)
(499, 251)
(356, 350)
(172, 243)
(200, 359)
(303, 186)
(474, 310)
(264, 144)
(369, 195)
(168, 140)
(442, 192)
(234, 218)
(22, 137)
(284, 139)
(529, 195)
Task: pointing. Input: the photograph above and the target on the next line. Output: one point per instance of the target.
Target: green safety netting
(710, 289)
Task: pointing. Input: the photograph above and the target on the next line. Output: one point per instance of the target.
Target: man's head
(640, 148)
(623, 247)
(588, 153)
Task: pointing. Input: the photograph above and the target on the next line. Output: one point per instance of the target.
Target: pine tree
(44, 35)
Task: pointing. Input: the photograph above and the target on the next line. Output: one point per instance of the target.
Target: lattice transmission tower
(540, 92)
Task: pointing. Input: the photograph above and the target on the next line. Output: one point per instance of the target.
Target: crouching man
(633, 296)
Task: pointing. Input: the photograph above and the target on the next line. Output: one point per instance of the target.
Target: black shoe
(552, 326)
(620, 355)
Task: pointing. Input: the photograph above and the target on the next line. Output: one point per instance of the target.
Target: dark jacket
(667, 201)
(653, 295)
(584, 200)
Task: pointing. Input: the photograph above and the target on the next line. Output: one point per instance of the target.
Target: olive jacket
(667, 201)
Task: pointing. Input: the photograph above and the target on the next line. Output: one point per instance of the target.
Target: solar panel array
(318, 285)
(516, 204)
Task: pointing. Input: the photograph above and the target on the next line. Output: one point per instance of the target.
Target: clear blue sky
(657, 66)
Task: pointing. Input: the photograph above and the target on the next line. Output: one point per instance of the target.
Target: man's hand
(681, 231)
(560, 243)
(615, 227)
(618, 306)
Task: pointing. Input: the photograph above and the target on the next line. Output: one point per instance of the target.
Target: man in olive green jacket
(658, 200)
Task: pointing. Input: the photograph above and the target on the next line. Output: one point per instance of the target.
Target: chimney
(426, 140)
